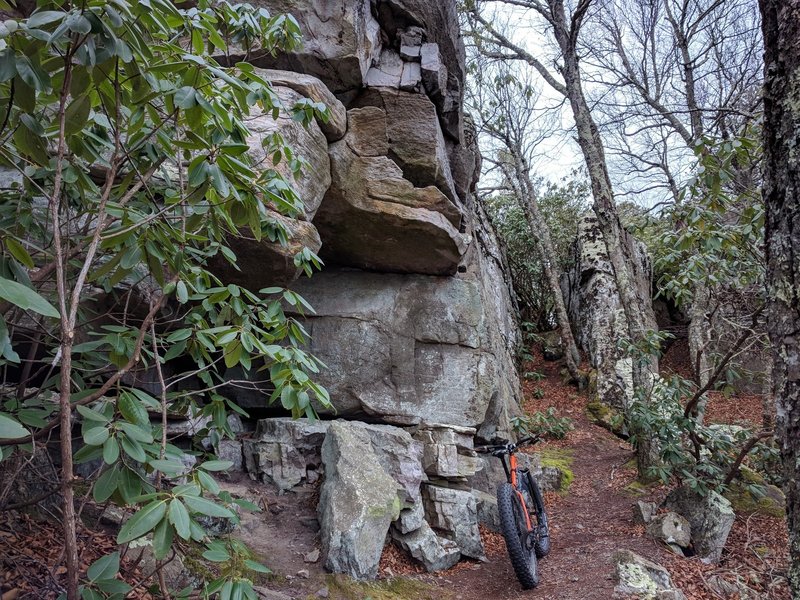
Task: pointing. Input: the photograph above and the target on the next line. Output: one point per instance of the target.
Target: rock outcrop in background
(596, 312)
(414, 316)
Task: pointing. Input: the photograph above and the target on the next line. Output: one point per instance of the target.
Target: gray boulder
(737, 589)
(670, 528)
(406, 349)
(448, 451)
(454, 513)
(436, 553)
(710, 517)
(640, 578)
(285, 451)
(231, 450)
(399, 455)
(643, 512)
(488, 513)
(358, 502)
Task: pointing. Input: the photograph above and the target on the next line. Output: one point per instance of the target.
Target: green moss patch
(397, 588)
(561, 459)
(607, 417)
(744, 500)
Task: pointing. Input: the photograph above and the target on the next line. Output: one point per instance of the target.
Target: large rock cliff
(414, 316)
(596, 311)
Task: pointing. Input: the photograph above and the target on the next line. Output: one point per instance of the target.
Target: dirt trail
(592, 521)
(589, 524)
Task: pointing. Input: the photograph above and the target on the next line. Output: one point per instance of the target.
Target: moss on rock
(342, 587)
(561, 459)
(743, 500)
(607, 417)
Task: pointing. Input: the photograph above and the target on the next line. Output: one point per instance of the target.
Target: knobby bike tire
(542, 542)
(513, 526)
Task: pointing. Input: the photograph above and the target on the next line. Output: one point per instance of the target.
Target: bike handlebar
(508, 448)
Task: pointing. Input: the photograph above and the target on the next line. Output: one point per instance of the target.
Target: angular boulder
(448, 451)
(640, 578)
(436, 553)
(454, 513)
(643, 512)
(671, 528)
(341, 38)
(358, 502)
(415, 137)
(373, 218)
(285, 452)
(710, 517)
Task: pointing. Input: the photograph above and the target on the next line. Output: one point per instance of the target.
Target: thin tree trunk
(781, 29)
(604, 207)
(540, 233)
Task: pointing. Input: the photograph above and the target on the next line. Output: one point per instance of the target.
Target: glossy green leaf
(162, 539)
(96, 436)
(179, 517)
(216, 465)
(110, 450)
(143, 522)
(133, 449)
(206, 507)
(25, 298)
(10, 429)
(106, 484)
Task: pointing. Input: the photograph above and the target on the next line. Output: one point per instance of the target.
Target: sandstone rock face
(309, 143)
(596, 311)
(414, 316)
(263, 263)
(341, 39)
(404, 362)
(416, 142)
(311, 87)
(373, 218)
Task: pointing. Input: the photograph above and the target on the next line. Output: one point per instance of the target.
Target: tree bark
(605, 208)
(781, 190)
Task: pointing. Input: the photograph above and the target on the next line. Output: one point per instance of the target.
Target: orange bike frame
(512, 459)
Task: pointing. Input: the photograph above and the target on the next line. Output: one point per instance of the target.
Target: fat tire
(542, 543)
(523, 559)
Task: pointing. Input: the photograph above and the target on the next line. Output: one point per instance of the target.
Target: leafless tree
(564, 75)
(504, 103)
